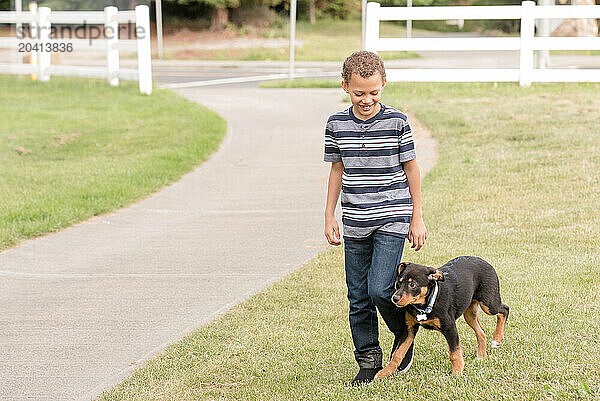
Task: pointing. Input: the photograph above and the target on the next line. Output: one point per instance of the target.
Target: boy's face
(365, 94)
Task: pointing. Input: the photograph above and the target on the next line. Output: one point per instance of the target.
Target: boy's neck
(376, 110)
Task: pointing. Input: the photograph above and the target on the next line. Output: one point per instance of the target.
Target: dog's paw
(384, 373)
(495, 344)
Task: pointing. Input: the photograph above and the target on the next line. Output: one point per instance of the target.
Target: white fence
(41, 21)
(526, 44)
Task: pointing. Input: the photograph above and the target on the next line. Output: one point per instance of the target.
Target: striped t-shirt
(375, 194)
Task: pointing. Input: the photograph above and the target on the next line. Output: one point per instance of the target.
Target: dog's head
(413, 282)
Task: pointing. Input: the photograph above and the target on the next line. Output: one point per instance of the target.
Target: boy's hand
(332, 231)
(417, 233)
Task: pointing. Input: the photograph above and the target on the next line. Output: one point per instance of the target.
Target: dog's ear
(436, 274)
(401, 267)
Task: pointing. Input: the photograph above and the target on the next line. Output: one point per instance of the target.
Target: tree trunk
(311, 11)
(219, 20)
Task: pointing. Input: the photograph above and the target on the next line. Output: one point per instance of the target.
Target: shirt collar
(371, 119)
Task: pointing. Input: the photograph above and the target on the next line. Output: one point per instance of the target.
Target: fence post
(527, 36)
(409, 21)
(111, 31)
(19, 29)
(44, 54)
(293, 5)
(33, 27)
(142, 30)
(372, 30)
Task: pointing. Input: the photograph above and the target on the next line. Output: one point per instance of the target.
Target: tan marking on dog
(410, 319)
(485, 309)
(498, 335)
(479, 315)
(406, 299)
(471, 316)
(435, 323)
(420, 299)
(438, 275)
(458, 363)
(399, 353)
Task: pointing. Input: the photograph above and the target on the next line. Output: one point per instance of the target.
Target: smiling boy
(373, 164)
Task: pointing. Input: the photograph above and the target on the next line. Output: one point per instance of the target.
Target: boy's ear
(344, 86)
(436, 275)
(401, 267)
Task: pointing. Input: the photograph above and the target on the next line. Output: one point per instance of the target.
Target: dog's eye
(412, 285)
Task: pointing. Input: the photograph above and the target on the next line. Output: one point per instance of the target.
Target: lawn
(517, 183)
(71, 149)
(576, 52)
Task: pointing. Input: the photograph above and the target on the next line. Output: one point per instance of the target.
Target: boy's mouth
(365, 107)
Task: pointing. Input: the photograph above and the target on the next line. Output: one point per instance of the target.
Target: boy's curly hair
(364, 63)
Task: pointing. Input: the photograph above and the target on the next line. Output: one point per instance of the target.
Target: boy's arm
(334, 186)
(417, 233)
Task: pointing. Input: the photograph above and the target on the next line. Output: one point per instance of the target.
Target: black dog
(435, 298)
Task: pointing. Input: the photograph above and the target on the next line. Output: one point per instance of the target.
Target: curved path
(81, 308)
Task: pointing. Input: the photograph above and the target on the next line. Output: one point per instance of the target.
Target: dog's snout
(395, 298)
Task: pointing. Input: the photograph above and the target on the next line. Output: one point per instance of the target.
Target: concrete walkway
(80, 309)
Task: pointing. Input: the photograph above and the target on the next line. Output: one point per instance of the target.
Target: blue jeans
(371, 271)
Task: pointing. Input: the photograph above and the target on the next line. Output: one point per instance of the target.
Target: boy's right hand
(332, 231)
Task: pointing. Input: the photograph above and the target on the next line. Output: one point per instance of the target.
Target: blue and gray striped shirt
(375, 194)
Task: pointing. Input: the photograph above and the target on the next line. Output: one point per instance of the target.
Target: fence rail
(67, 17)
(526, 43)
(41, 21)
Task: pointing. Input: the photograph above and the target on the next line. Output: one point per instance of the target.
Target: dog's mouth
(402, 301)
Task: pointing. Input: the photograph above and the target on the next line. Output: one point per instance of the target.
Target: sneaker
(364, 376)
(408, 357)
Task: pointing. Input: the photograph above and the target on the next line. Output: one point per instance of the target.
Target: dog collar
(429, 308)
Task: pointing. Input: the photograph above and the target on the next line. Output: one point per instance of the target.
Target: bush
(507, 26)
(258, 17)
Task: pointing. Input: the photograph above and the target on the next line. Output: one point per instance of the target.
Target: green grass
(517, 183)
(88, 148)
(576, 52)
(327, 40)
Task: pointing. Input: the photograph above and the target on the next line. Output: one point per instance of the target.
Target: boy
(372, 152)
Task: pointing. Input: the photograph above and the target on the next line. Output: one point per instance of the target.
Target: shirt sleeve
(332, 151)
(406, 144)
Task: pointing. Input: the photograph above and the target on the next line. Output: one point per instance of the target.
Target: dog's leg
(471, 316)
(399, 353)
(501, 314)
(498, 335)
(456, 355)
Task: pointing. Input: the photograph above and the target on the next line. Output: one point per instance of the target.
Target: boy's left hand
(417, 233)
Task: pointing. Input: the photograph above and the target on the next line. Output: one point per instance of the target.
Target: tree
(220, 11)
